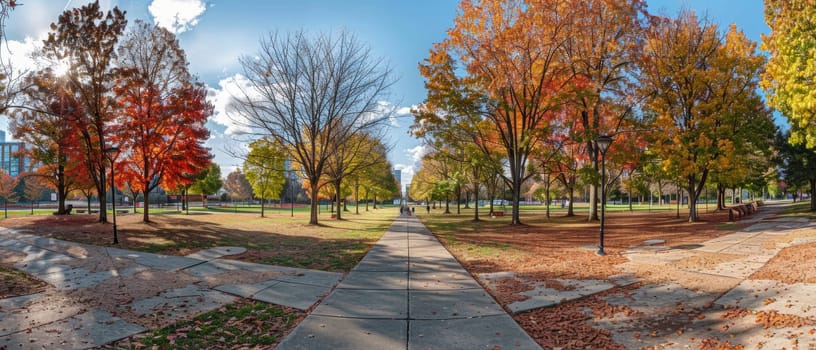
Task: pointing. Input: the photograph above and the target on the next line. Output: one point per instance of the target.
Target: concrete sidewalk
(70, 314)
(408, 293)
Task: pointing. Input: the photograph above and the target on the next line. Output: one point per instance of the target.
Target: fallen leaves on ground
(792, 265)
(246, 324)
(116, 293)
(714, 344)
(773, 319)
(508, 290)
(15, 283)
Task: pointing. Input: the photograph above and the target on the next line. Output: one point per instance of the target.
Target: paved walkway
(408, 293)
(698, 304)
(100, 294)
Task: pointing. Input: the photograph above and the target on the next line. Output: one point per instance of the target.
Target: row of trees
(112, 96)
(316, 103)
(521, 89)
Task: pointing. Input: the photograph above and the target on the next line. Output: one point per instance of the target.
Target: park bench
(68, 210)
(742, 210)
(497, 213)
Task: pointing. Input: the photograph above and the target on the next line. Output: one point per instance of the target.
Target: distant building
(397, 175)
(12, 159)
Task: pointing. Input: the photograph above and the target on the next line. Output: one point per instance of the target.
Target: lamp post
(113, 150)
(603, 142)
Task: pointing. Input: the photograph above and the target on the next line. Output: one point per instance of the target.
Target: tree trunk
(678, 200)
(570, 208)
(102, 192)
(458, 199)
(366, 199)
(629, 194)
(692, 195)
(659, 195)
(467, 199)
(357, 197)
(375, 201)
(447, 204)
(61, 189)
(145, 214)
(337, 199)
(313, 210)
(720, 196)
(476, 206)
(813, 194)
(547, 195)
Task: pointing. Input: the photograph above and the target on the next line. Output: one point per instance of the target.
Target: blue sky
(215, 33)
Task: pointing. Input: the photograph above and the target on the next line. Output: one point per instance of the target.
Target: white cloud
(20, 54)
(418, 152)
(222, 99)
(177, 16)
(404, 110)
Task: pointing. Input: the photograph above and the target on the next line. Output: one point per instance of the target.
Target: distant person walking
(413, 210)
(428, 208)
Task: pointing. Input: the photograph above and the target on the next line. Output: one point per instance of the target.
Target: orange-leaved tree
(602, 52)
(7, 193)
(511, 54)
(46, 127)
(162, 111)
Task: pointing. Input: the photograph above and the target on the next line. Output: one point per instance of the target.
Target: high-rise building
(397, 175)
(12, 156)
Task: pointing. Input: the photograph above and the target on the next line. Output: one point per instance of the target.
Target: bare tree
(312, 94)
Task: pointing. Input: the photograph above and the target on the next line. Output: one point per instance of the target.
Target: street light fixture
(603, 142)
(113, 150)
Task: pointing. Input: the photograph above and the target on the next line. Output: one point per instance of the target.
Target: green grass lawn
(800, 209)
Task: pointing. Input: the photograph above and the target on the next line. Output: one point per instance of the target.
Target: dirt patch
(791, 265)
(113, 294)
(15, 283)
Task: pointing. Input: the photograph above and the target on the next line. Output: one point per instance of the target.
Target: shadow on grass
(332, 245)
